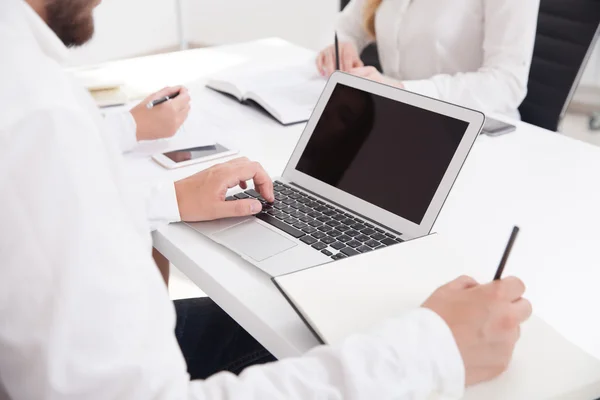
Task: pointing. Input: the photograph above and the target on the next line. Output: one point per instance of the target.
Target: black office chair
(566, 35)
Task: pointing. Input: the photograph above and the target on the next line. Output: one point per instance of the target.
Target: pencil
(507, 252)
(337, 53)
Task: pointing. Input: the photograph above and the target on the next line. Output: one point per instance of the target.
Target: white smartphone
(493, 127)
(195, 155)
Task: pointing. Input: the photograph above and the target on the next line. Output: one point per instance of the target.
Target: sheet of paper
(355, 294)
(288, 91)
(549, 187)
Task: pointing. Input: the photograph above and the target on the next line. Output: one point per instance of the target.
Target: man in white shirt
(83, 311)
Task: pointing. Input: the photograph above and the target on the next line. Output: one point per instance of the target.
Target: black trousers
(211, 341)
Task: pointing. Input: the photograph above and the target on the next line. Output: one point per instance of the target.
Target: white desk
(544, 182)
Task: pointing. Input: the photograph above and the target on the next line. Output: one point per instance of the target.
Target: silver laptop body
(372, 169)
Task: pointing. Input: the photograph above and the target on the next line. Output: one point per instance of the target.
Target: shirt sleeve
(161, 205)
(412, 357)
(86, 315)
(500, 85)
(350, 25)
(122, 126)
(159, 197)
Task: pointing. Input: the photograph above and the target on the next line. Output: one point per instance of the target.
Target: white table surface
(542, 181)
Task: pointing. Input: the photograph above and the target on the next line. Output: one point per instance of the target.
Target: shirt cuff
(422, 87)
(162, 205)
(437, 351)
(123, 125)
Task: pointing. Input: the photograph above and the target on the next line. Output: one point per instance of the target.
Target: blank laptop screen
(387, 153)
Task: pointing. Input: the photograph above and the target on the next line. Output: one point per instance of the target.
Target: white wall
(126, 28)
(308, 23)
(591, 76)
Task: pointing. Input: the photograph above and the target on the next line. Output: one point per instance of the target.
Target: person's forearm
(405, 358)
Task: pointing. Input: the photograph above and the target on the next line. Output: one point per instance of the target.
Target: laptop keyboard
(322, 226)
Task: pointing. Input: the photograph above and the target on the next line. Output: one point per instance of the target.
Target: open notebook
(354, 294)
(288, 93)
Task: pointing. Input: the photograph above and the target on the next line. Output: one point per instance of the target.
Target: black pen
(154, 103)
(337, 53)
(507, 251)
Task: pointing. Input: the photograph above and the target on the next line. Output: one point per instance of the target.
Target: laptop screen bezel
(409, 229)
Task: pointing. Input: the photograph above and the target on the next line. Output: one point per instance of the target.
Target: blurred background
(130, 28)
(127, 28)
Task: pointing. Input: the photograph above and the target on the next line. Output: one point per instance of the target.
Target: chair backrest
(566, 34)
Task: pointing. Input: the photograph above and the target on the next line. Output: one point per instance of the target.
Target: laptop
(372, 169)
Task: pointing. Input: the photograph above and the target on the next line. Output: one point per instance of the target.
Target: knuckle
(495, 293)
(515, 282)
(520, 284)
(508, 322)
(213, 171)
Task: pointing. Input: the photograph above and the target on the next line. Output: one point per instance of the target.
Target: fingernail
(255, 207)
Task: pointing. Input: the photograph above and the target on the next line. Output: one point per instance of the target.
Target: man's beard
(71, 20)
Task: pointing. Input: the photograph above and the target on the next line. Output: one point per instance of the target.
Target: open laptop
(372, 169)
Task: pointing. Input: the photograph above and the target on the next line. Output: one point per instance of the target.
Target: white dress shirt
(84, 313)
(159, 197)
(476, 53)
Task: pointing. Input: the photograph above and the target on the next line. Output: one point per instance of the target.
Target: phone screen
(194, 153)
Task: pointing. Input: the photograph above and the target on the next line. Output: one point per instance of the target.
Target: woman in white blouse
(475, 53)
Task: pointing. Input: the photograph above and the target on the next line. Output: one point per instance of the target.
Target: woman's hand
(349, 59)
(163, 120)
(372, 74)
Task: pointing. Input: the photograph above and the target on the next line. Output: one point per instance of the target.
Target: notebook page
(401, 278)
(355, 294)
(290, 92)
(293, 102)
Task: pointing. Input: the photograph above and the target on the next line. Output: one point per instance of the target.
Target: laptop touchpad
(254, 240)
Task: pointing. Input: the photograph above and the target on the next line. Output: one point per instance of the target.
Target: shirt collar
(50, 44)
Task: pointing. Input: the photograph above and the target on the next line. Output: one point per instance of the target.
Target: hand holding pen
(485, 319)
(161, 114)
(341, 55)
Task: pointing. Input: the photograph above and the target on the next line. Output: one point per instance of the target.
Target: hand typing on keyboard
(201, 197)
(326, 228)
